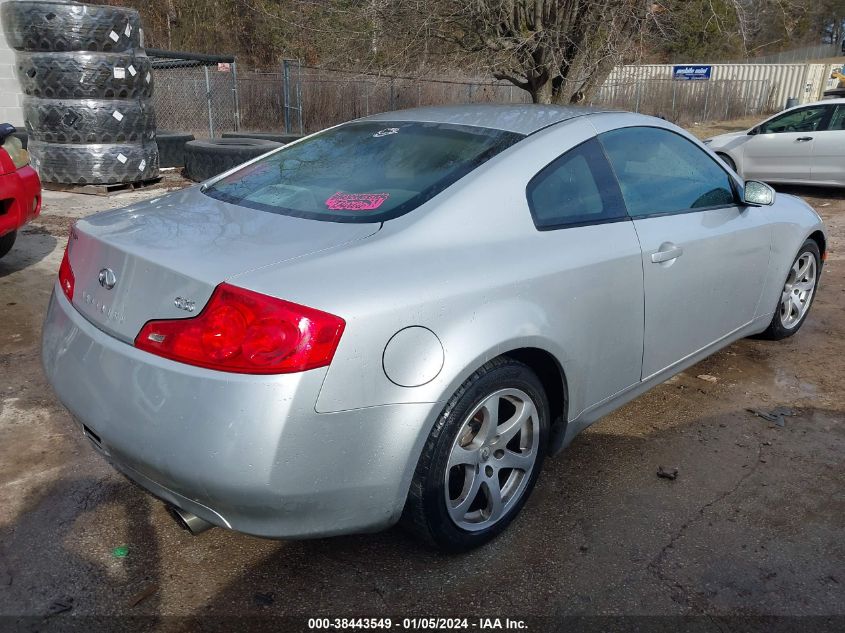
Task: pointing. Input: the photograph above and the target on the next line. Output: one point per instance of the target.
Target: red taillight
(66, 280)
(246, 332)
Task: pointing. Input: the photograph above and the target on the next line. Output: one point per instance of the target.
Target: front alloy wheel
(481, 459)
(797, 294)
(798, 290)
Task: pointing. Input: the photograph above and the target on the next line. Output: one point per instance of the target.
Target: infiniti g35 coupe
(398, 318)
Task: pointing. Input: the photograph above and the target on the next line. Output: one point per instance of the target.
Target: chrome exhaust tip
(188, 521)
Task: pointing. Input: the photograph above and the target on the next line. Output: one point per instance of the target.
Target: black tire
(89, 120)
(85, 75)
(205, 159)
(277, 137)
(106, 164)
(6, 243)
(728, 160)
(171, 148)
(425, 513)
(777, 330)
(69, 26)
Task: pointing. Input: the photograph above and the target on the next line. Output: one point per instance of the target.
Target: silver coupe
(398, 318)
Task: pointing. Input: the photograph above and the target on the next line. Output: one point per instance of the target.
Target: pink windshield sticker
(356, 201)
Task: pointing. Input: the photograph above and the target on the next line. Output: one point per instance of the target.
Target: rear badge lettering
(356, 201)
(100, 307)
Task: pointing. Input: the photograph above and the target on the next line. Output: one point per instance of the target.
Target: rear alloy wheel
(797, 294)
(491, 459)
(482, 458)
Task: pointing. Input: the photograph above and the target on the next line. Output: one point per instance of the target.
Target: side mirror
(758, 194)
(754, 131)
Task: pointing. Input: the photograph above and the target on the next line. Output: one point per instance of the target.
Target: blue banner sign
(691, 72)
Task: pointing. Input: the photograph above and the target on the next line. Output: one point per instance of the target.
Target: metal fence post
(727, 101)
(392, 100)
(208, 101)
(745, 99)
(639, 86)
(235, 97)
(286, 93)
(762, 102)
(674, 89)
(299, 95)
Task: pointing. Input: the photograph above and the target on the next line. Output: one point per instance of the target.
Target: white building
(10, 92)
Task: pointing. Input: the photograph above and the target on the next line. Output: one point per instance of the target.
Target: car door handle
(666, 255)
(802, 139)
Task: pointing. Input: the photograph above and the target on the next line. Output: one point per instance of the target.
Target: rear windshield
(362, 172)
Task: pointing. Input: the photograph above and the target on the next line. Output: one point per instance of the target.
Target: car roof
(522, 118)
(839, 100)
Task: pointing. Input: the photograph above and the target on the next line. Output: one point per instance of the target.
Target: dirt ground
(706, 130)
(752, 526)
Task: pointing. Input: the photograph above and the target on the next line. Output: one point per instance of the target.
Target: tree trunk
(541, 93)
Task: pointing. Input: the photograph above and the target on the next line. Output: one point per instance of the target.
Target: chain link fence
(685, 102)
(197, 94)
(208, 95)
(804, 54)
(330, 97)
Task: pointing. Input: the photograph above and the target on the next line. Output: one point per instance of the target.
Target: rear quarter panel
(470, 266)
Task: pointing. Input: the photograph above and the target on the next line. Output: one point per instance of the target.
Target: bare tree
(560, 51)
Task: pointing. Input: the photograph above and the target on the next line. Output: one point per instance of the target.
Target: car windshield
(362, 172)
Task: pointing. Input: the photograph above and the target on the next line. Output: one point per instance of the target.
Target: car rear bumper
(20, 199)
(245, 452)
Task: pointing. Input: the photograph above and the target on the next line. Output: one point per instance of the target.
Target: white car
(801, 145)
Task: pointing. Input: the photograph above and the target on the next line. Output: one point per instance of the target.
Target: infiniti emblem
(107, 278)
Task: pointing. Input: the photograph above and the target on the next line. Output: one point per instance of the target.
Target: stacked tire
(88, 86)
(171, 147)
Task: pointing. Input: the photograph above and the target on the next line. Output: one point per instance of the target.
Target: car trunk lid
(163, 258)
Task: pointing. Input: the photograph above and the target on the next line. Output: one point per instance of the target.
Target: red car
(20, 188)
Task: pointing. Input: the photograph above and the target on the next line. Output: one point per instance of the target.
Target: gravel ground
(753, 525)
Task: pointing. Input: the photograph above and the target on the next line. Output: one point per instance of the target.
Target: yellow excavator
(839, 91)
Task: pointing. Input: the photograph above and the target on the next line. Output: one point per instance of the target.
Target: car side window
(575, 189)
(662, 172)
(801, 120)
(837, 122)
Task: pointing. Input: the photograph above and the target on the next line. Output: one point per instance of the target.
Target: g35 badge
(184, 304)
